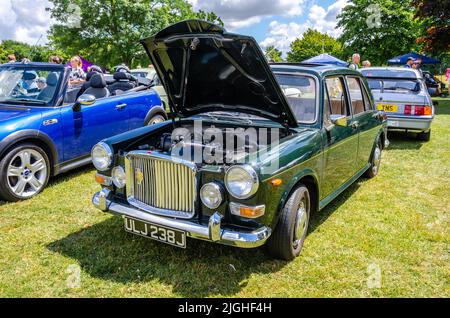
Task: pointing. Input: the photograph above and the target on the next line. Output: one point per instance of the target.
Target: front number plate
(388, 108)
(156, 232)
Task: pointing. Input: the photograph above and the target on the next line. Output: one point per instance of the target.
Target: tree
(378, 29)
(23, 50)
(435, 19)
(312, 44)
(273, 54)
(108, 32)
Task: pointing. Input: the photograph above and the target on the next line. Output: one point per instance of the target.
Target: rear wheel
(24, 173)
(286, 242)
(156, 120)
(375, 161)
(424, 136)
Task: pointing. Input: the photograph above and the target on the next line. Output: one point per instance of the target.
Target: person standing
(366, 63)
(356, 58)
(77, 75)
(12, 58)
(409, 62)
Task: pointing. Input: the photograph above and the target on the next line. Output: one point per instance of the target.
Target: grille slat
(162, 184)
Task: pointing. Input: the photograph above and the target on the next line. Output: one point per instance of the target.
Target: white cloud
(24, 20)
(281, 35)
(239, 13)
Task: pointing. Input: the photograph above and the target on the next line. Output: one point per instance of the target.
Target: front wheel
(24, 173)
(375, 162)
(286, 242)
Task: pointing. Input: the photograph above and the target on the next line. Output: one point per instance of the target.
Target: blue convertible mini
(45, 130)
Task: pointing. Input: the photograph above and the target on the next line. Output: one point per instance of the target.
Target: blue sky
(271, 22)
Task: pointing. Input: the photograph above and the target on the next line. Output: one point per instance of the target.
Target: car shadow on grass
(204, 269)
(400, 140)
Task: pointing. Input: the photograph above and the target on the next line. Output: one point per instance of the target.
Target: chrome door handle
(355, 124)
(121, 106)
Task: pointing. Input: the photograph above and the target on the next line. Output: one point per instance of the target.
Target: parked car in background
(150, 73)
(403, 95)
(44, 131)
(433, 84)
(303, 135)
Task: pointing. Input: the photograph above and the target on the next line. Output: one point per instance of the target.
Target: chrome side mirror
(84, 100)
(339, 120)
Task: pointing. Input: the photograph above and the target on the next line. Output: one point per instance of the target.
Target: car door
(365, 117)
(84, 127)
(340, 143)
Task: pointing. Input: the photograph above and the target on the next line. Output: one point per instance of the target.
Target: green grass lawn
(395, 227)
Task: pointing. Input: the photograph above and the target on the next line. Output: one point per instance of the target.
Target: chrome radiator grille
(161, 186)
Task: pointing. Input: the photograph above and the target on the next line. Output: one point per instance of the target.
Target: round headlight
(241, 181)
(211, 195)
(102, 156)
(118, 177)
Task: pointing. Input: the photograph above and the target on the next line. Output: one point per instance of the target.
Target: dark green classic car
(251, 150)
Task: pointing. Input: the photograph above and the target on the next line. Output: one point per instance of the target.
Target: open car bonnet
(203, 68)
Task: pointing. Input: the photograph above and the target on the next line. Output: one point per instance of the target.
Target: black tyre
(24, 173)
(424, 136)
(375, 161)
(286, 242)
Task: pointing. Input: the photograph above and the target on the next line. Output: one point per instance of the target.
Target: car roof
(317, 69)
(35, 64)
(394, 69)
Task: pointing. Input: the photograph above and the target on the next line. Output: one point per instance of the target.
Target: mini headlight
(241, 181)
(118, 177)
(211, 195)
(102, 156)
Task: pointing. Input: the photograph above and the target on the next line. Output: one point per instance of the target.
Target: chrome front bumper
(213, 232)
(409, 123)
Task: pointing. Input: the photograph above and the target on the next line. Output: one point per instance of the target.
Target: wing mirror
(339, 120)
(84, 100)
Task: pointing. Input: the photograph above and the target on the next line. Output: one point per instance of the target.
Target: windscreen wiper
(24, 100)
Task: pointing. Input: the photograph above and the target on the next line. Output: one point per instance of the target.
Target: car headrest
(52, 79)
(122, 76)
(29, 76)
(97, 81)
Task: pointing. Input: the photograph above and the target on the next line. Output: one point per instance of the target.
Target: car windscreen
(29, 85)
(383, 73)
(301, 94)
(392, 85)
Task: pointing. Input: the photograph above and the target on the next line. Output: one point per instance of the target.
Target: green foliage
(312, 44)
(273, 54)
(434, 17)
(109, 31)
(22, 50)
(378, 29)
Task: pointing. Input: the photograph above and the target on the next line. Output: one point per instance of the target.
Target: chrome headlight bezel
(215, 187)
(107, 156)
(119, 178)
(248, 172)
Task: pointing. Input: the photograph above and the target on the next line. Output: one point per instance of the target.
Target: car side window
(337, 97)
(367, 104)
(356, 95)
(326, 108)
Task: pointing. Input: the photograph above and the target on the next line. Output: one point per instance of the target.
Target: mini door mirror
(84, 100)
(339, 120)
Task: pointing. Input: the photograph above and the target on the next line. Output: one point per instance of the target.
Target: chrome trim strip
(213, 232)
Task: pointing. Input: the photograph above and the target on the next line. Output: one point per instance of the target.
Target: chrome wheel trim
(301, 222)
(376, 160)
(26, 173)
(156, 120)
